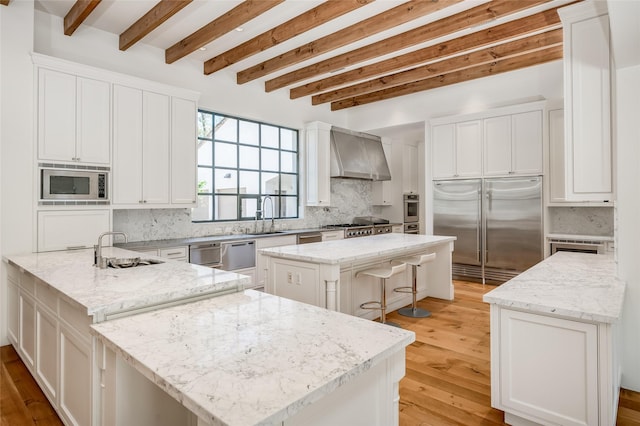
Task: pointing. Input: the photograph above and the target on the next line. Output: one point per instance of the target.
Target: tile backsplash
(349, 198)
(597, 221)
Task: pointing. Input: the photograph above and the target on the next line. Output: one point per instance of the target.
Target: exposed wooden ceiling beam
(312, 18)
(475, 16)
(383, 21)
(239, 15)
(486, 70)
(5, 2)
(151, 20)
(77, 14)
(446, 66)
(538, 22)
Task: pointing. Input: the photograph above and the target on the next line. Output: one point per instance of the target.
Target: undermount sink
(130, 262)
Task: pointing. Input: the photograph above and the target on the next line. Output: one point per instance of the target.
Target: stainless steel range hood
(357, 155)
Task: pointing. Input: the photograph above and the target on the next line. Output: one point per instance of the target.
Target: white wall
(16, 136)
(627, 132)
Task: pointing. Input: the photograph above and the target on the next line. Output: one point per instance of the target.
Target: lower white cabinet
(332, 235)
(251, 273)
(70, 229)
(262, 260)
(27, 332)
(47, 351)
(13, 306)
(75, 377)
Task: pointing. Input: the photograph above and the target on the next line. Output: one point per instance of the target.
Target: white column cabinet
(74, 120)
(409, 169)
(457, 149)
(183, 152)
(318, 163)
(556, 156)
(71, 229)
(156, 116)
(587, 98)
(47, 351)
(383, 191)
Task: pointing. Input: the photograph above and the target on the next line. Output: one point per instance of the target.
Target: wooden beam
(383, 21)
(510, 64)
(475, 16)
(77, 14)
(151, 20)
(239, 15)
(500, 33)
(5, 2)
(312, 18)
(446, 66)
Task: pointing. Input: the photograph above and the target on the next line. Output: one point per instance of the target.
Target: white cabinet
(318, 162)
(457, 149)
(332, 235)
(73, 118)
(409, 169)
(68, 229)
(383, 191)
(140, 146)
(556, 156)
(47, 351)
(13, 311)
(27, 329)
(513, 144)
(262, 260)
(398, 229)
(179, 253)
(75, 377)
(587, 98)
(183, 152)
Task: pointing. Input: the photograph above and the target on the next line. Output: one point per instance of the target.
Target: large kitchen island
(324, 273)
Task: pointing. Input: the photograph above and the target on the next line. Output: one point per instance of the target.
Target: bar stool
(383, 273)
(415, 261)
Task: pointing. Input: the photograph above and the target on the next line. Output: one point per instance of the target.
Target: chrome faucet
(99, 261)
(264, 201)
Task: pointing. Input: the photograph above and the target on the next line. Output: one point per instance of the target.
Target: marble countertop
(575, 285)
(107, 291)
(259, 359)
(356, 249)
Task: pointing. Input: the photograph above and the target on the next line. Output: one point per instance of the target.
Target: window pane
(205, 125)
(288, 139)
(249, 133)
(269, 136)
(226, 129)
(270, 183)
(288, 206)
(226, 207)
(226, 155)
(205, 179)
(204, 209)
(289, 162)
(248, 207)
(205, 157)
(226, 181)
(288, 184)
(249, 158)
(270, 159)
(249, 182)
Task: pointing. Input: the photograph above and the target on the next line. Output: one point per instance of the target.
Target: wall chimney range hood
(357, 155)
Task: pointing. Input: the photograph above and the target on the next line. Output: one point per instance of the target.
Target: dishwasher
(238, 255)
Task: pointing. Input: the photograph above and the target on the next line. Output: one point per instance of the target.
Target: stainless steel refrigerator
(497, 222)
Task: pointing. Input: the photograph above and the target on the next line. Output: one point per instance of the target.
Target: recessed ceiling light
(239, 29)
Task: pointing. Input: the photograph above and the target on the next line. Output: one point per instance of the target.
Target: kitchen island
(554, 342)
(324, 273)
(251, 358)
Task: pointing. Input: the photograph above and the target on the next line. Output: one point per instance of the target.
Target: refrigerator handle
(485, 250)
(478, 227)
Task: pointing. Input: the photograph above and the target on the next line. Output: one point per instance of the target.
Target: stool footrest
(374, 304)
(403, 289)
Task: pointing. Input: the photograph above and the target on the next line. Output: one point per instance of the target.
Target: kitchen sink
(130, 262)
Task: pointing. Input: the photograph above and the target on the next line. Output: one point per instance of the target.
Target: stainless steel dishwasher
(238, 255)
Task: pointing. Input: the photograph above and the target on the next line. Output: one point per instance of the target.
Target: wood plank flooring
(447, 378)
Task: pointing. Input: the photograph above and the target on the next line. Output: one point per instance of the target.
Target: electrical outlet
(289, 277)
(298, 278)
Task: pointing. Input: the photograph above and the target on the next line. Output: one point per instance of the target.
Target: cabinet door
(556, 156)
(409, 169)
(93, 121)
(27, 330)
(64, 229)
(56, 116)
(75, 378)
(468, 153)
(383, 190)
(262, 260)
(127, 145)
(156, 116)
(497, 145)
(183, 151)
(443, 151)
(527, 142)
(318, 163)
(13, 312)
(47, 351)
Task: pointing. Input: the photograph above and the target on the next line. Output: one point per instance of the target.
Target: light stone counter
(253, 358)
(576, 285)
(106, 291)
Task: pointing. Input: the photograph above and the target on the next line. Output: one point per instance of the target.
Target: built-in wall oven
(411, 208)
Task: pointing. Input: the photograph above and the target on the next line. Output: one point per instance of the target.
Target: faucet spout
(99, 261)
(264, 212)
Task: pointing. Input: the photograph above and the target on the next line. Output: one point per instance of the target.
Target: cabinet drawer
(173, 252)
(47, 296)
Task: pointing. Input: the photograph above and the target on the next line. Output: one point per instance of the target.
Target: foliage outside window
(240, 162)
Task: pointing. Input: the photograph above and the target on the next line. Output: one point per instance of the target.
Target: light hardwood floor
(447, 378)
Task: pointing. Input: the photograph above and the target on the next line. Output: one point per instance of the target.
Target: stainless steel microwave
(67, 184)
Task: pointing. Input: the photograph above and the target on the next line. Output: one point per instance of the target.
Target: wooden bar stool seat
(415, 261)
(382, 272)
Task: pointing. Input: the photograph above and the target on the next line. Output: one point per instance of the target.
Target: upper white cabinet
(74, 119)
(556, 155)
(409, 169)
(183, 151)
(587, 91)
(383, 191)
(457, 149)
(317, 137)
(71, 229)
(513, 144)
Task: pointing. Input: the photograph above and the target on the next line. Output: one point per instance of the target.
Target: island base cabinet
(549, 370)
(75, 378)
